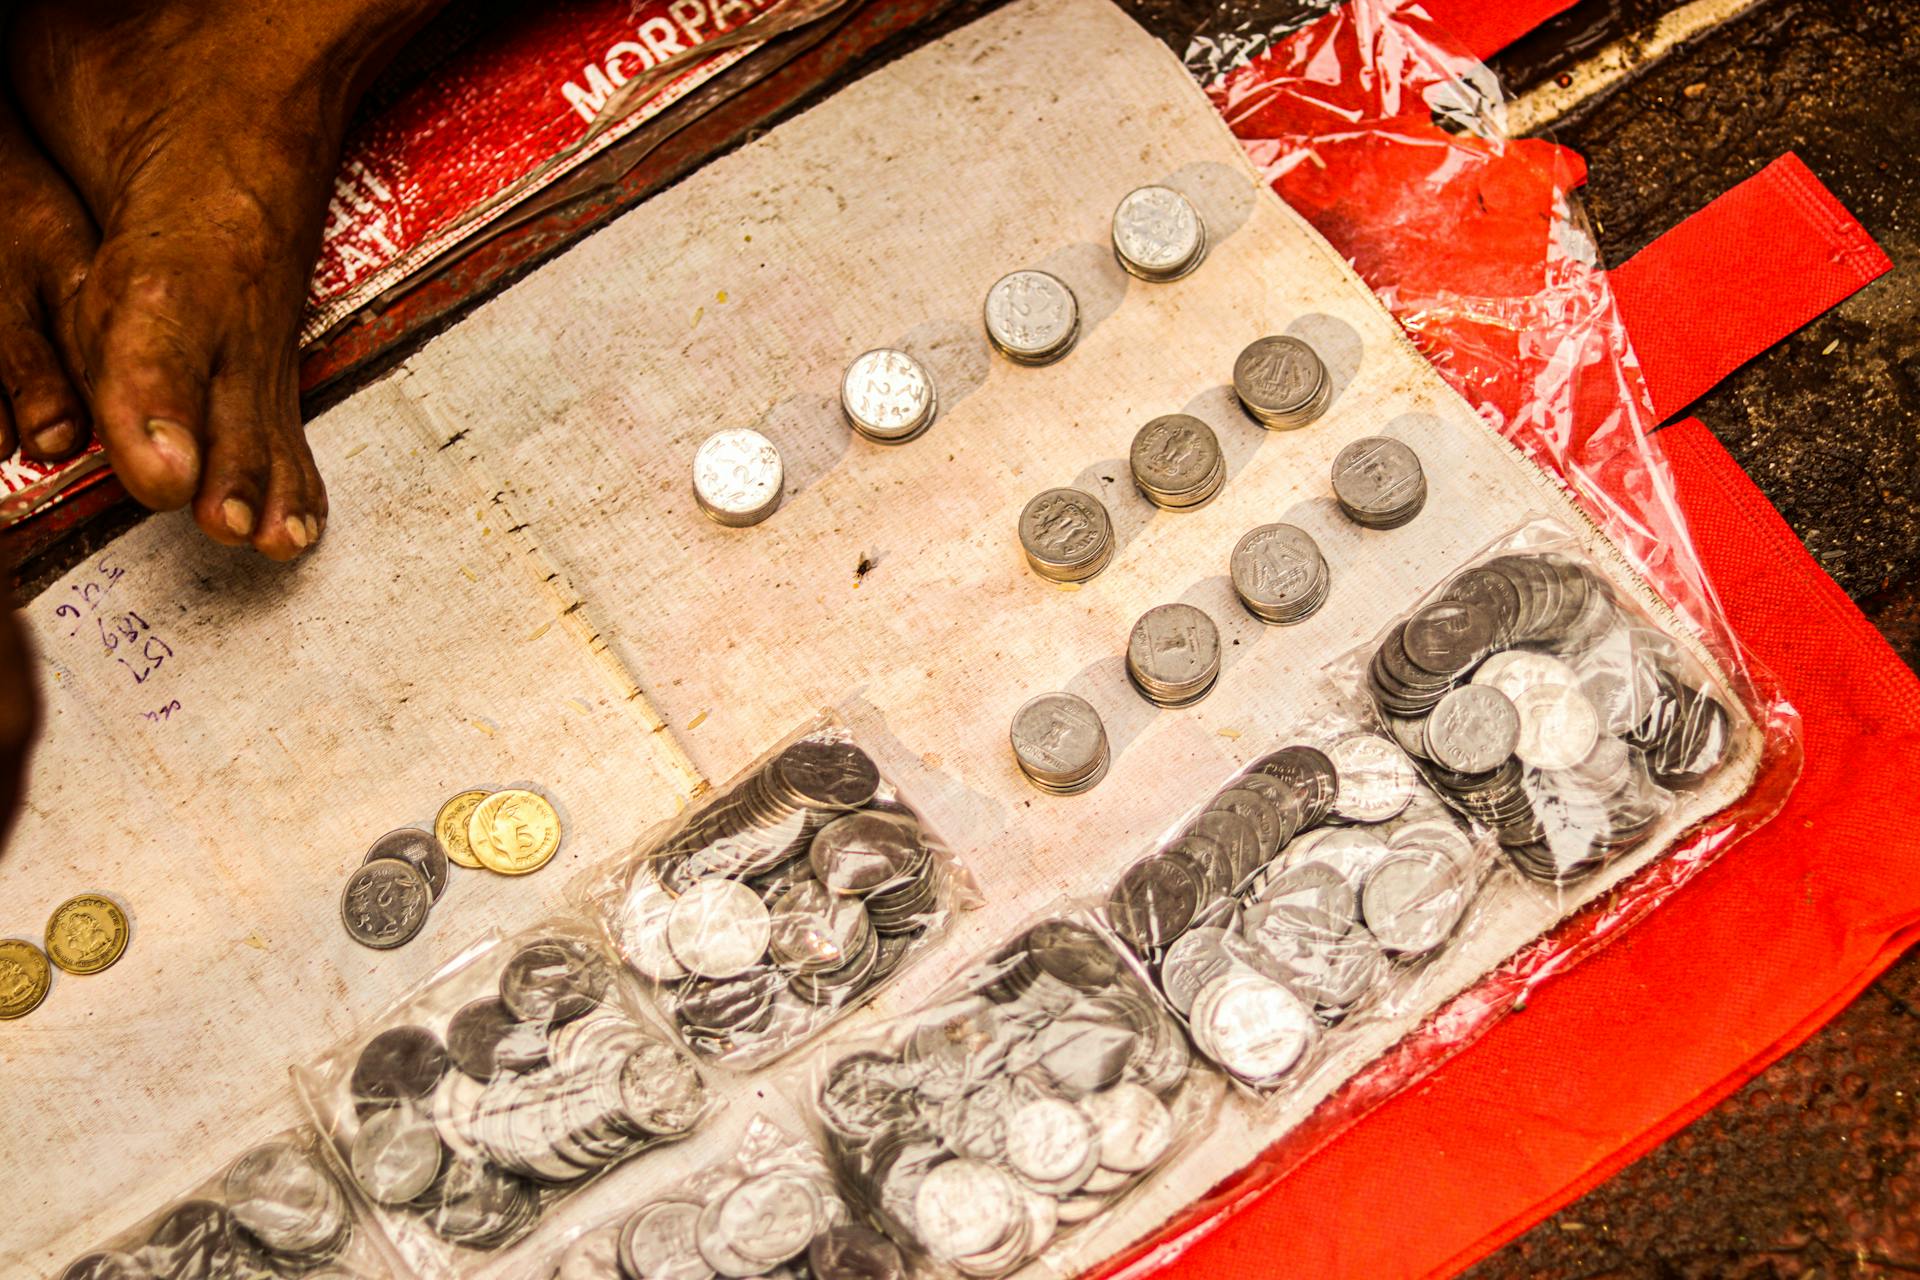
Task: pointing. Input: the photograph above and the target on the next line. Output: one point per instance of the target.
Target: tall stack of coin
(1157, 234)
(1282, 382)
(1279, 574)
(1173, 655)
(888, 396)
(463, 1125)
(802, 887)
(1060, 743)
(1032, 317)
(1026, 1099)
(1066, 534)
(738, 479)
(1546, 713)
(1379, 483)
(1177, 462)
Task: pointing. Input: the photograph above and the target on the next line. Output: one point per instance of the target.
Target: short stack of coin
(1066, 534)
(1060, 743)
(1379, 482)
(888, 396)
(1282, 383)
(1279, 574)
(1032, 317)
(512, 832)
(738, 478)
(1157, 234)
(1177, 462)
(1173, 655)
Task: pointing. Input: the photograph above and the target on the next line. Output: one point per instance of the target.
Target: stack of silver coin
(1060, 743)
(1157, 234)
(1177, 462)
(1379, 482)
(1279, 573)
(738, 479)
(385, 902)
(1032, 317)
(1013, 1109)
(888, 396)
(793, 894)
(781, 1218)
(1173, 655)
(540, 1083)
(1066, 534)
(1282, 382)
(1282, 906)
(1546, 713)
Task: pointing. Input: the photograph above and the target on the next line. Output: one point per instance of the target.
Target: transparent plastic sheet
(503, 1084)
(1032, 1093)
(771, 1205)
(1302, 900)
(1547, 707)
(783, 902)
(277, 1212)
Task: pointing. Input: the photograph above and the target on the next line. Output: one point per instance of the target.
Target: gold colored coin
(514, 832)
(87, 934)
(450, 825)
(24, 978)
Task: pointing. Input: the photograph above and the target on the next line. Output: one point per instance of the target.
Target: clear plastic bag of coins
(1303, 893)
(1177, 463)
(1282, 383)
(277, 1209)
(788, 897)
(1555, 702)
(1029, 1095)
(1066, 534)
(510, 1079)
(770, 1208)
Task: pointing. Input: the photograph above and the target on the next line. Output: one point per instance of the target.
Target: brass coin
(514, 832)
(87, 934)
(24, 978)
(450, 825)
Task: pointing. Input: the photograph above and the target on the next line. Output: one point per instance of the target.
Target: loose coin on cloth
(87, 934)
(1032, 317)
(1060, 743)
(1177, 463)
(1066, 534)
(1379, 483)
(888, 396)
(450, 827)
(1157, 234)
(514, 831)
(1173, 655)
(738, 479)
(1282, 383)
(25, 978)
(385, 903)
(418, 847)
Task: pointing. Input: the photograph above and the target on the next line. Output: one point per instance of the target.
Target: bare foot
(204, 135)
(46, 244)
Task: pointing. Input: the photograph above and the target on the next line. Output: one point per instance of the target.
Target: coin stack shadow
(276, 1211)
(1288, 902)
(470, 1126)
(795, 893)
(1025, 1100)
(1591, 718)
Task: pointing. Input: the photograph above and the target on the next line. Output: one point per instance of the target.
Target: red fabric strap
(1737, 277)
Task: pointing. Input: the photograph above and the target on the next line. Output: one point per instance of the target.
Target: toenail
(174, 440)
(238, 515)
(57, 438)
(297, 531)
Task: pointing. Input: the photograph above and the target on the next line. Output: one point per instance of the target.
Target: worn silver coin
(1176, 462)
(421, 848)
(1279, 574)
(1157, 234)
(1066, 534)
(1281, 382)
(1558, 727)
(385, 903)
(1060, 743)
(719, 928)
(1378, 482)
(1173, 654)
(1473, 729)
(1377, 781)
(1032, 317)
(738, 478)
(887, 396)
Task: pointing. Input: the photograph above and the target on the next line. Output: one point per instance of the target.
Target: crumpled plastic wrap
(783, 902)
